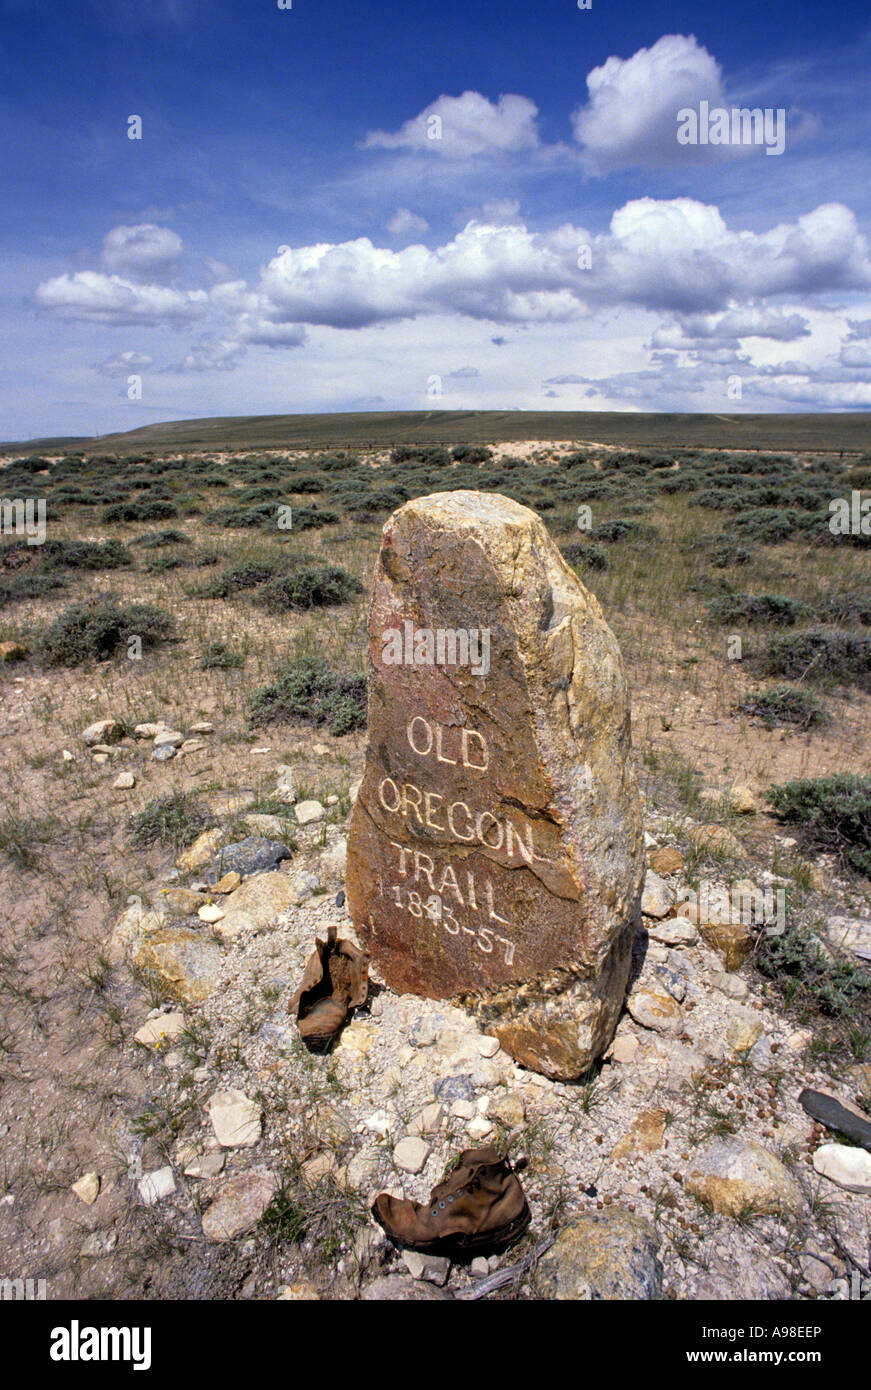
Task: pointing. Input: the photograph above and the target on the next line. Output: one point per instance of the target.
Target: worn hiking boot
(336, 980)
(479, 1205)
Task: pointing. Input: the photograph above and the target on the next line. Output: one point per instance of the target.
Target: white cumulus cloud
(99, 298)
(463, 126)
(144, 252)
(630, 117)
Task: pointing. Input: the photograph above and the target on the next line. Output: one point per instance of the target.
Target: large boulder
(495, 853)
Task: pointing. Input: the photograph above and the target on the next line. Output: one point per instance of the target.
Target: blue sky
(463, 205)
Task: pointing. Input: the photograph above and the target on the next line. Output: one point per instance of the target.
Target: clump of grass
(218, 656)
(174, 820)
(309, 586)
(785, 704)
(831, 813)
(19, 835)
(92, 632)
(307, 688)
(816, 985)
(324, 1213)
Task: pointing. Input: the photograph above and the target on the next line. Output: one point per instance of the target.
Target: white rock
(192, 745)
(428, 1120)
(205, 1165)
(235, 1119)
(148, 730)
(104, 731)
(624, 1048)
(433, 1268)
(87, 1188)
(124, 781)
(464, 1109)
(308, 812)
(353, 790)
(411, 1154)
(673, 931)
(380, 1122)
(849, 1168)
(210, 912)
(487, 1046)
(650, 841)
(479, 1128)
(67, 756)
(202, 726)
(154, 1186)
(162, 1029)
(657, 898)
(655, 1010)
(170, 738)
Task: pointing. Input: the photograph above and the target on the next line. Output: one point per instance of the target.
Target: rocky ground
(683, 1167)
(163, 1133)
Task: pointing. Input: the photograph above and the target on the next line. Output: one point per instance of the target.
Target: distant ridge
(827, 432)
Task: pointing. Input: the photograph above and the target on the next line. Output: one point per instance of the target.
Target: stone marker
(496, 853)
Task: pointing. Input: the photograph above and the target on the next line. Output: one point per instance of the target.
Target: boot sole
(496, 1240)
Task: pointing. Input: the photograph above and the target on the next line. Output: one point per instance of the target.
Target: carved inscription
(454, 898)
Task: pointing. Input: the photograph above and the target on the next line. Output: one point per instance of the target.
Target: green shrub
(819, 654)
(307, 688)
(770, 526)
(471, 453)
(830, 813)
(846, 609)
(16, 588)
(151, 509)
(162, 564)
(784, 704)
(585, 554)
(85, 555)
(244, 518)
(773, 609)
(309, 586)
(724, 554)
(619, 529)
(153, 540)
(93, 632)
(313, 518)
(306, 482)
(234, 581)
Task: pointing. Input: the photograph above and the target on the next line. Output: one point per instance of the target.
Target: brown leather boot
(479, 1205)
(336, 980)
